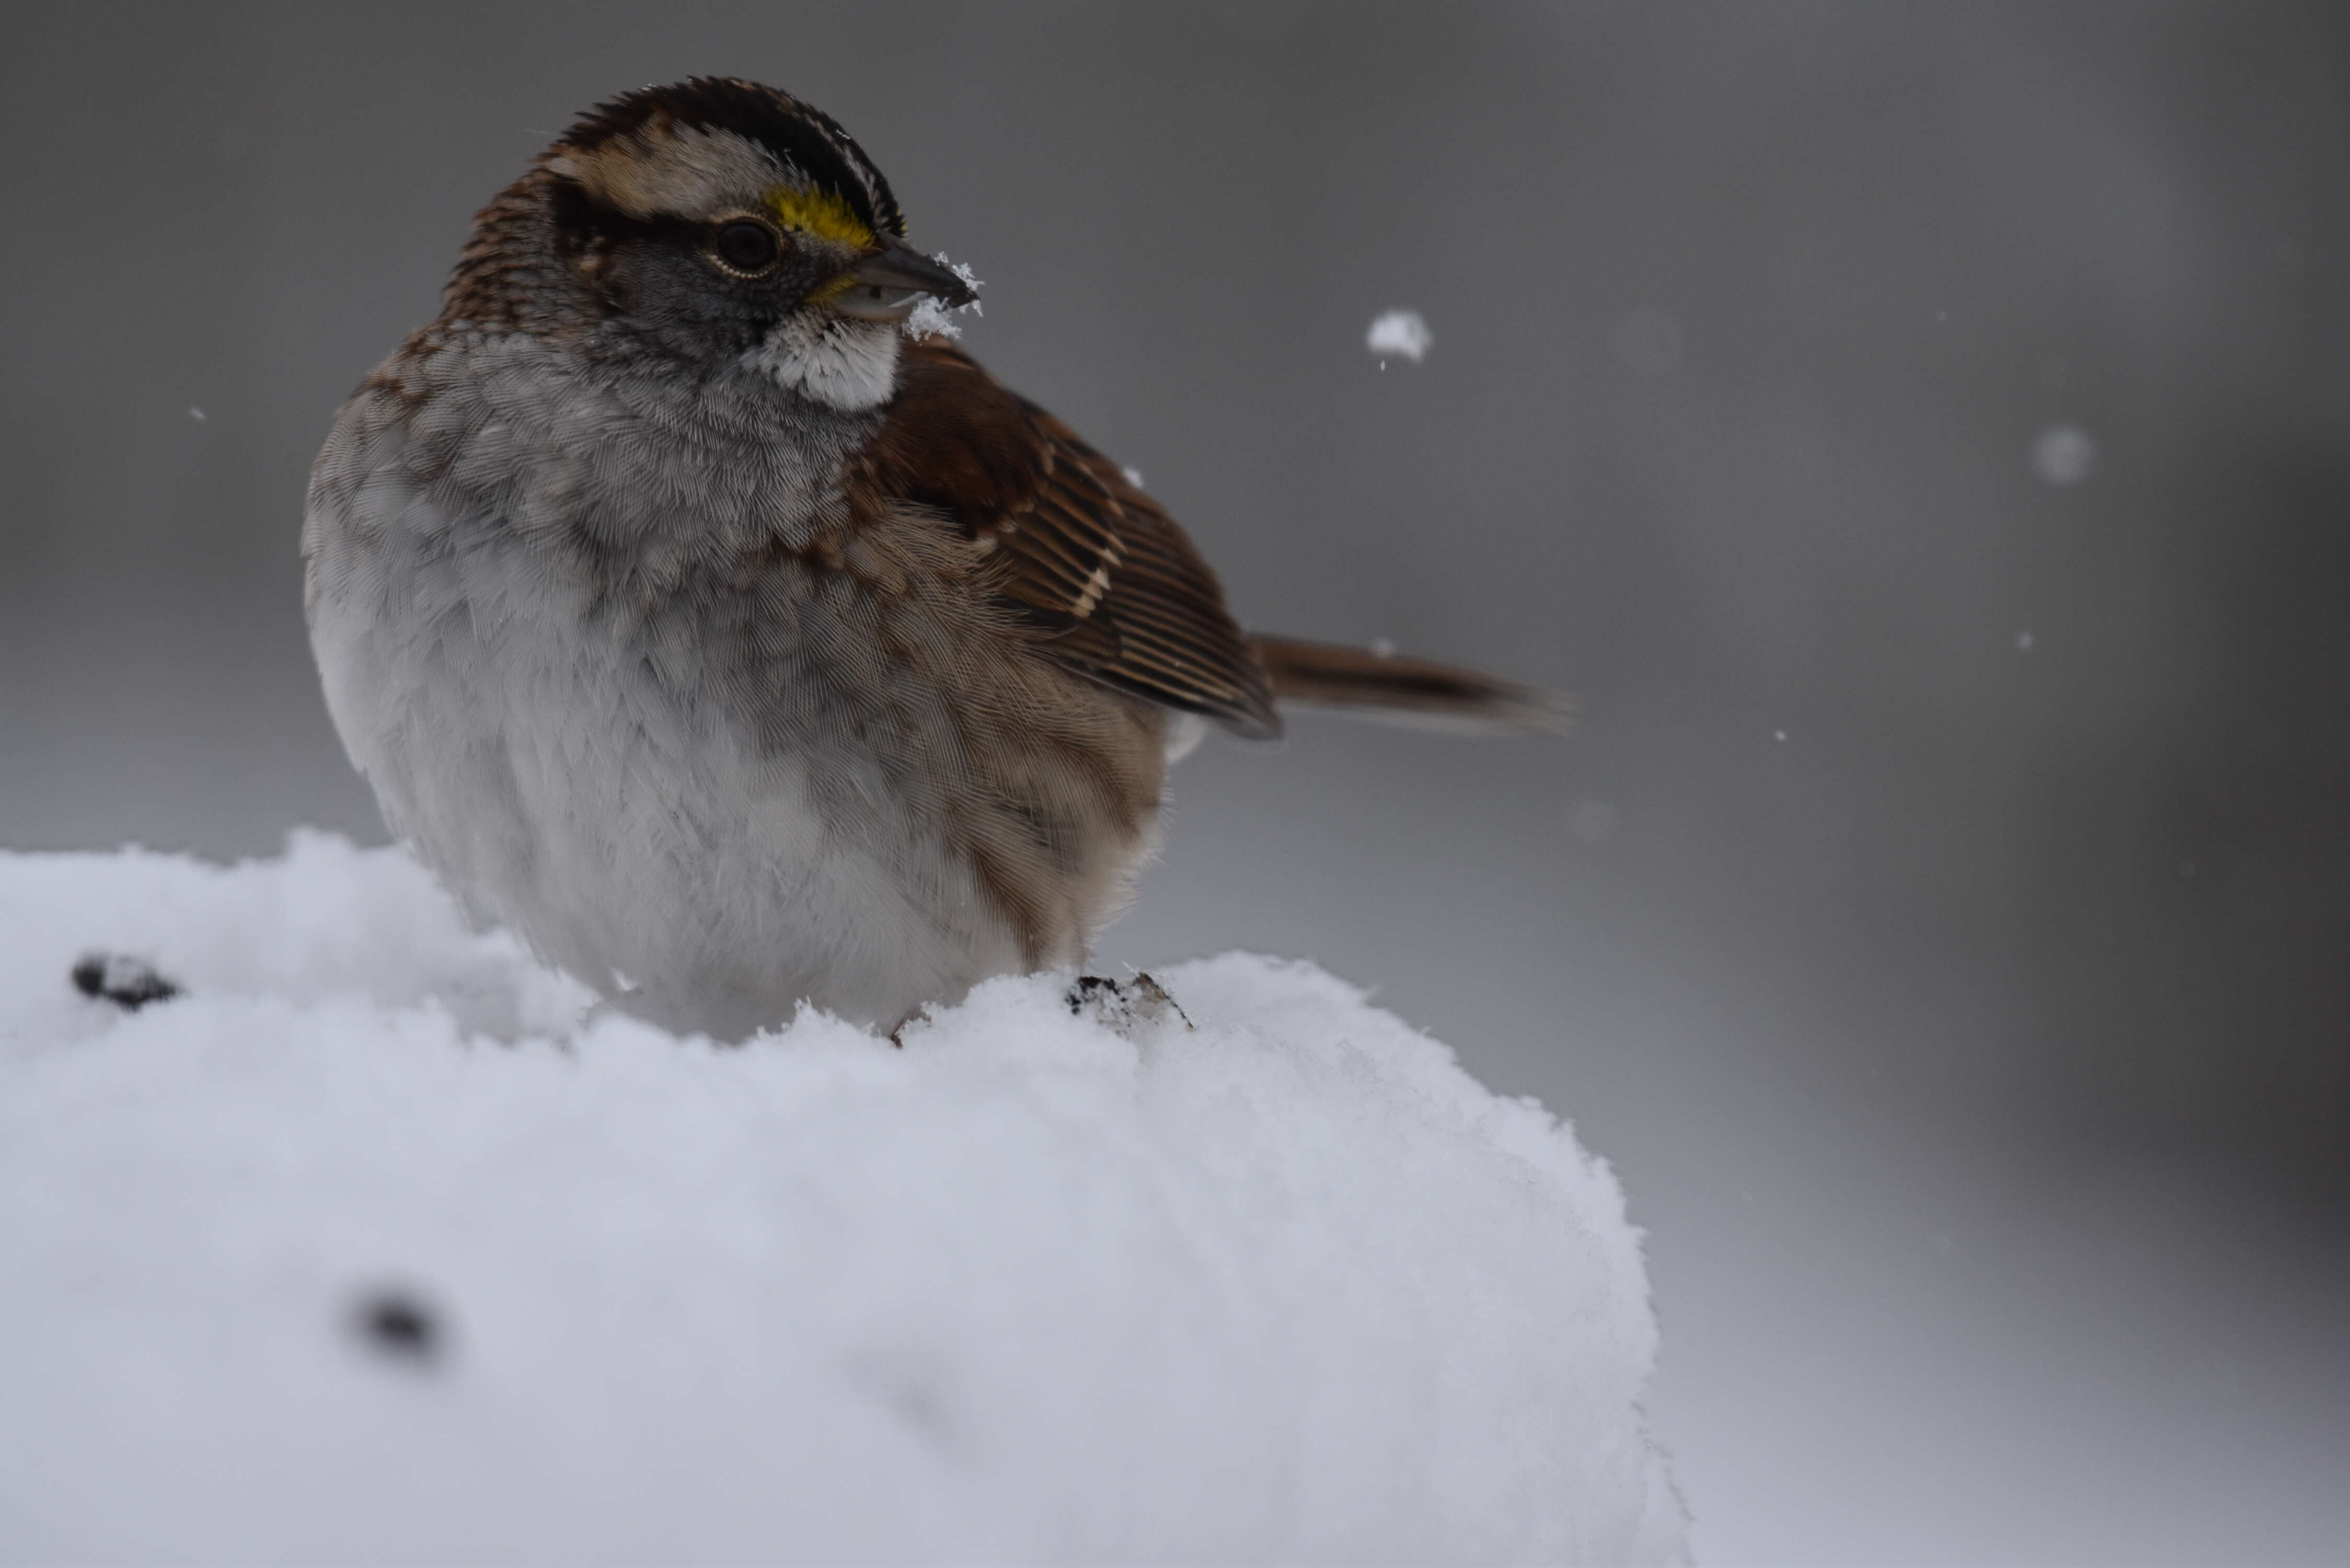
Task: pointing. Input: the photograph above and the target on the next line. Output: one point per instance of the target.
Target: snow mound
(375, 1243)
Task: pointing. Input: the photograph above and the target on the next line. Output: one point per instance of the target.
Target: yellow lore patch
(821, 214)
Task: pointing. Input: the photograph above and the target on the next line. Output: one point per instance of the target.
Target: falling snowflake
(2064, 454)
(1401, 333)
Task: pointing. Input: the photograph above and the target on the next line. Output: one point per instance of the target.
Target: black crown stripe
(800, 134)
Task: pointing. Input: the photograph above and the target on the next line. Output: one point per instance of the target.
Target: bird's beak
(888, 284)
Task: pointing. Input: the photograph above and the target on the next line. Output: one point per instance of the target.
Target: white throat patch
(833, 360)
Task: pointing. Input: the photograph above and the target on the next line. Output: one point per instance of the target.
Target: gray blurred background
(1920, 432)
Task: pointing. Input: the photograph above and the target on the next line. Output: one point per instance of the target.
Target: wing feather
(1098, 571)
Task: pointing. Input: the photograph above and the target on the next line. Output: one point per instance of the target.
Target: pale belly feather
(638, 842)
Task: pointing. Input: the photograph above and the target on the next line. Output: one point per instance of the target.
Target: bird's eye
(745, 247)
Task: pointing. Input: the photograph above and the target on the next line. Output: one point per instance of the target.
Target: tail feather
(1402, 691)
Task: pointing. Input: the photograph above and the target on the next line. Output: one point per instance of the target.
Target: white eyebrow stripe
(680, 170)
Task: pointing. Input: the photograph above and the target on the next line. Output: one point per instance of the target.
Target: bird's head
(719, 220)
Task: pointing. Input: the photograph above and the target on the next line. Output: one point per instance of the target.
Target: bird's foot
(1125, 1006)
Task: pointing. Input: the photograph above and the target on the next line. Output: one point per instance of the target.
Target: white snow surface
(1399, 332)
(1284, 1285)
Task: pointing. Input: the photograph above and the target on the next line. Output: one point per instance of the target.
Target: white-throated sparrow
(735, 649)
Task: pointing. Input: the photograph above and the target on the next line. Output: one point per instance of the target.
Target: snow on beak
(888, 284)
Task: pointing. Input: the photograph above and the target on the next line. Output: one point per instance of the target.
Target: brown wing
(1111, 586)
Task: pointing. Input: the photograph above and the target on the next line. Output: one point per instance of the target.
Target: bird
(697, 608)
